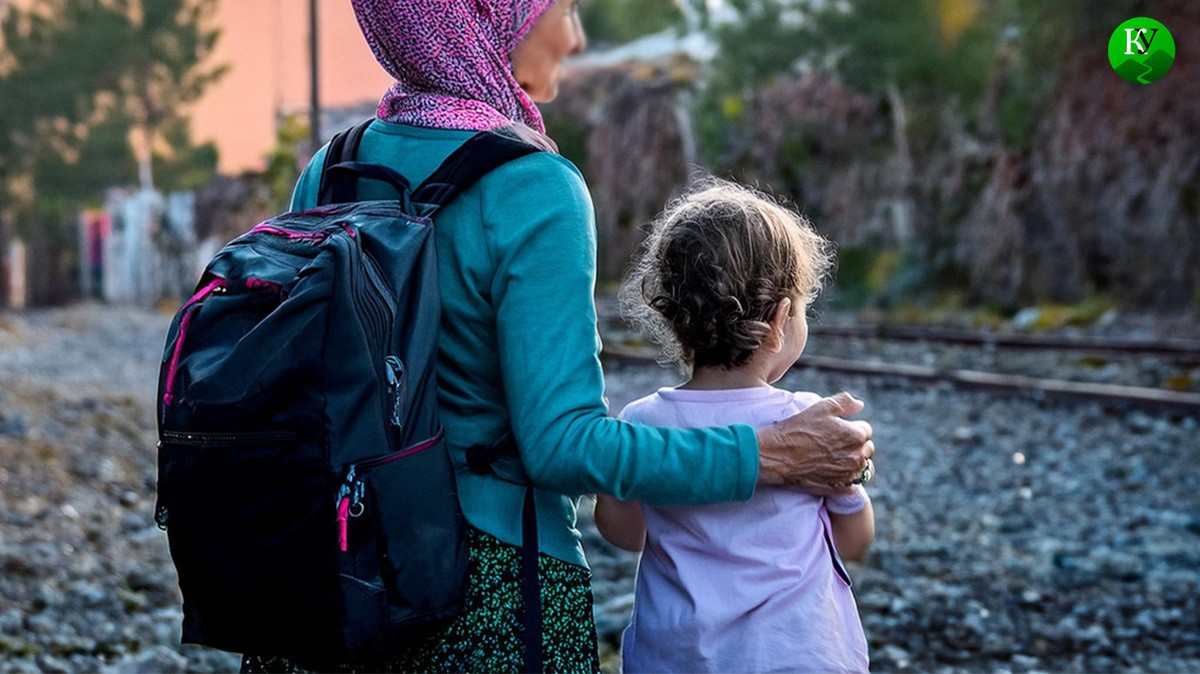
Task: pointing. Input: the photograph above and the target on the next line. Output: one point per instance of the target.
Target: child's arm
(853, 520)
(621, 522)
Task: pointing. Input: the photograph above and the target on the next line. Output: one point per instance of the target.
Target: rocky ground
(85, 578)
(1013, 534)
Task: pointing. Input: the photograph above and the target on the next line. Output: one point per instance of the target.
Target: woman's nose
(580, 37)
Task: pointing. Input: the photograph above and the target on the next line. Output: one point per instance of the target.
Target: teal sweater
(517, 266)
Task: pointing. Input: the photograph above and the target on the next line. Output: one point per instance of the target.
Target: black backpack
(303, 481)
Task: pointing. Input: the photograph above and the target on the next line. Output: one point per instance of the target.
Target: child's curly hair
(713, 270)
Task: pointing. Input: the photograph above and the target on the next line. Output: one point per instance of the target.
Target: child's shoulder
(803, 399)
(637, 410)
(783, 403)
(672, 407)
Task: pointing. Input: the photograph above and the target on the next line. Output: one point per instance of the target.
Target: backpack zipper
(380, 291)
(378, 303)
(214, 287)
(206, 439)
(397, 380)
(376, 306)
(350, 494)
(406, 452)
(292, 234)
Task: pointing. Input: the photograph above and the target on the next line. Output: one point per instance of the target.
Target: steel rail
(1108, 394)
(1160, 347)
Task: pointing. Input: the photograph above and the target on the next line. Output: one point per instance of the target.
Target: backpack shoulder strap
(336, 187)
(482, 153)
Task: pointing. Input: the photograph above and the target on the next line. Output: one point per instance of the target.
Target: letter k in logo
(1134, 38)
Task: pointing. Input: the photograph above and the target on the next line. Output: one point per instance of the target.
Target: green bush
(618, 21)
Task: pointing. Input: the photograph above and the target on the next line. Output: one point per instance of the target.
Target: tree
(182, 164)
(71, 65)
(283, 164)
(78, 76)
(163, 50)
(52, 74)
(51, 96)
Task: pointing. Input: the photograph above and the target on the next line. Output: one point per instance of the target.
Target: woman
(518, 348)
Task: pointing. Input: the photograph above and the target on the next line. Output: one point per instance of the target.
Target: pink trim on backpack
(407, 451)
(260, 284)
(173, 367)
(422, 446)
(290, 233)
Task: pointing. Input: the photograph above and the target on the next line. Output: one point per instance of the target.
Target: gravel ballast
(1014, 534)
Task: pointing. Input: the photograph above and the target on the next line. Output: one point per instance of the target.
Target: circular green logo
(1141, 50)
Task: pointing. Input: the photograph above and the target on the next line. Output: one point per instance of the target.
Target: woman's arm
(852, 518)
(622, 523)
(540, 233)
(304, 195)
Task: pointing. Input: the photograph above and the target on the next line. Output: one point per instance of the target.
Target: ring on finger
(867, 473)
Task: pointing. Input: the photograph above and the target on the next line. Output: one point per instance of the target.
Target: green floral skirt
(486, 634)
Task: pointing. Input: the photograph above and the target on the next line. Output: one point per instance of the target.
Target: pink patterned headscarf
(451, 61)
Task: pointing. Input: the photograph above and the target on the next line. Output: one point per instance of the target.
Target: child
(752, 586)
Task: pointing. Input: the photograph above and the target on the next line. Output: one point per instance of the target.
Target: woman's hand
(816, 449)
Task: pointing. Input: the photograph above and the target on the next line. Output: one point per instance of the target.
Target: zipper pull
(350, 505)
(357, 508)
(344, 524)
(343, 509)
(397, 381)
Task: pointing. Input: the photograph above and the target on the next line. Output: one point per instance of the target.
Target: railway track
(1179, 348)
(1110, 395)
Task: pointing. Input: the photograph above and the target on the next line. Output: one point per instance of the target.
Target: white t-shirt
(752, 586)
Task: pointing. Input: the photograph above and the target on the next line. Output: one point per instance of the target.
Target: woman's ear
(779, 320)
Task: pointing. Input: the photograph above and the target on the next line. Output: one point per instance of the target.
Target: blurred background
(963, 153)
(982, 169)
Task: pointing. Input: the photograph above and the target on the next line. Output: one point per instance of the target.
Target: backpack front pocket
(246, 516)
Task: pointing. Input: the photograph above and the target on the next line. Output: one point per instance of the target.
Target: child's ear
(779, 320)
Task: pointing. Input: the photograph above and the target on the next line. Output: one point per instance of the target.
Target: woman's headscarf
(451, 61)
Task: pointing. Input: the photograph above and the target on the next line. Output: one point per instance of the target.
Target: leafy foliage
(184, 165)
(924, 48)
(960, 82)
(162, 48)
(104, 158)
(52, 73)
(1039, 35)
(617, 21)
(81, 79)
(283, 168)
(78, 77)
(766, 41)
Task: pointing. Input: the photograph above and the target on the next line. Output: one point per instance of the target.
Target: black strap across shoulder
(480, 154)
(343, 148)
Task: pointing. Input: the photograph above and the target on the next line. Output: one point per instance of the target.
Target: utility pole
(314, 101)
